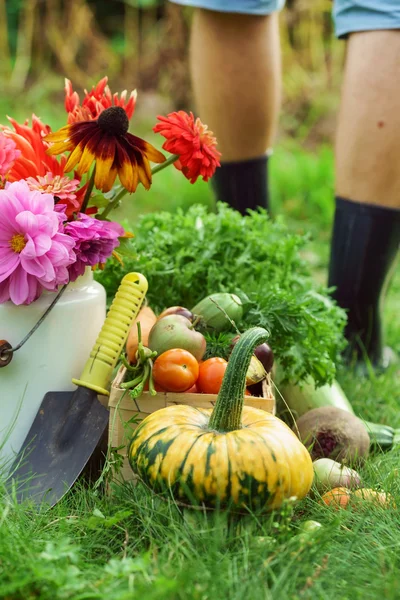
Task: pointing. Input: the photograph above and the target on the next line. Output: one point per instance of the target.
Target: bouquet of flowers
(54, 211)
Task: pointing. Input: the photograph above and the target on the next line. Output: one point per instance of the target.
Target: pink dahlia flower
(94, 240)
(8, 154)
(34, 252)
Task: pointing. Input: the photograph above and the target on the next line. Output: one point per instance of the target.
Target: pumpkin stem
(227, 413)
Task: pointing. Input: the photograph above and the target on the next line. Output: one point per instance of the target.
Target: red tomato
(192, 390)
(175, 370)
(211, 374)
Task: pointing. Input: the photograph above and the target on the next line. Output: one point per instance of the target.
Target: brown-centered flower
(107, 142)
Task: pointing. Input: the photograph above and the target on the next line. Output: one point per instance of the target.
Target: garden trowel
(69, 425)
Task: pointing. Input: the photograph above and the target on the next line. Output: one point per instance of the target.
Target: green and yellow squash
(231, 455)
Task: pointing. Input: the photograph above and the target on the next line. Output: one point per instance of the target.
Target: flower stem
(170, 160)
(114, 203)
(88, 191)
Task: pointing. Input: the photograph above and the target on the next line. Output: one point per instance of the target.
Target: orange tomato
(175, 370)
(211, 374)
(338, 497)
(341, 497)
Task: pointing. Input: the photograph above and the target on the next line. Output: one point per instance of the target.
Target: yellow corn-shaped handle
(124, 309)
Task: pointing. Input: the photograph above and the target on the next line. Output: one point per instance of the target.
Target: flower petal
(90, 152)
(60, 147)
(19, 287)
(140, 164)
(33, 266)
(35, 289)
(105, 176)
(61, 135)
(144, 171)
(127, 169)
(4, 292)
(49, 274)
(42, 244)
(110, 180)
(74, 158)
(28, 222)
(6, 233)
(8, 263)
(151, 152)
(82, 130)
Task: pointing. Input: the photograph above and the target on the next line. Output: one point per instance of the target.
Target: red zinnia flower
(192, 142)
(33, 159)
(34, 164)
(95, 101)
(107, 142)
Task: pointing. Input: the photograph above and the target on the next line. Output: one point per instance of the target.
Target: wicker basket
(126, 413)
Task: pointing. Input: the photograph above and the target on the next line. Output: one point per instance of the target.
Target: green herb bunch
(187, 255)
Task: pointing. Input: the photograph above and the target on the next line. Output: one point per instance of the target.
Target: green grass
(132, 545)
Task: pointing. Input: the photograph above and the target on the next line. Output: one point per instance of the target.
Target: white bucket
(48, 361)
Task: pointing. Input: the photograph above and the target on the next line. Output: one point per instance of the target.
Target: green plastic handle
(124, 309)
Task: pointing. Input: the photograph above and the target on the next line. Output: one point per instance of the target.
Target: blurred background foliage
(143, 44)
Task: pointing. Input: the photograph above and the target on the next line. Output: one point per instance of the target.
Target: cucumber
(381, 436)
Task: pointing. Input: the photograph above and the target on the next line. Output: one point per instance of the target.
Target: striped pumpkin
(229, 456)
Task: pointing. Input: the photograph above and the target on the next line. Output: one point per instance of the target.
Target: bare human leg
(366, 233)
(236, 73)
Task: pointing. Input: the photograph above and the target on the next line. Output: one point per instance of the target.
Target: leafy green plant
(187, 255)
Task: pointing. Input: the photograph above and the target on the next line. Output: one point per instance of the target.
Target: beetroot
(330, 432)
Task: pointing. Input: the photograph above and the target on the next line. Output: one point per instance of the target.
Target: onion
(329, 474)
(265, 356)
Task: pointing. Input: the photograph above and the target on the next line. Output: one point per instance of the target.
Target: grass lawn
(130, 545)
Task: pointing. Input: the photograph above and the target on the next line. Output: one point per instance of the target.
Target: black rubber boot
(365, 243)
(243, 184)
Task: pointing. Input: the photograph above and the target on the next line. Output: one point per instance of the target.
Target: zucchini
(381, 436)
(299, 399)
